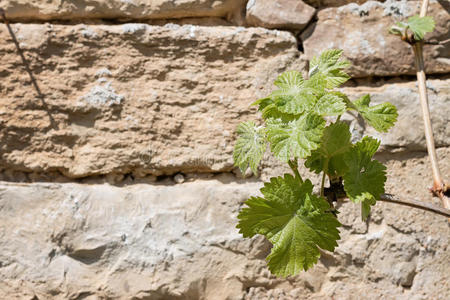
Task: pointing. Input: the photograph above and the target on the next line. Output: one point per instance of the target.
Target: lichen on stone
(101, 95)
(134, 27)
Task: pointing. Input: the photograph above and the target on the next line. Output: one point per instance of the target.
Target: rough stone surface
(101, 129)
(281, 14)
(113, 9)
(133, 97)
(98, 112)
(157, 99)
(72, 241)
(362, 32)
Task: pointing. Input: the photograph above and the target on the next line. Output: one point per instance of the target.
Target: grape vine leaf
(296, 138)
(344, 98)
(329, 157)
(365, 178)
(269, 109)
(420, 26)
(329, 105)
(294, 220)
(292, 97)
(317, 84)
(250, 146)
(381, 116)
(289, 79)
(328, 68)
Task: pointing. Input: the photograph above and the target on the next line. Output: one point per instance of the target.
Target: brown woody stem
(411, 203)
(416, 204)
(439, 187)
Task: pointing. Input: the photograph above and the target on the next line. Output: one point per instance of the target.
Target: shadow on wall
(28, 69)
(445, 4)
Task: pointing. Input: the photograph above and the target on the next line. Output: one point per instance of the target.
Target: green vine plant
(303, 121)
(414, 29)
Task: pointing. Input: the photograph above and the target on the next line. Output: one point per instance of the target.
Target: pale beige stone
(362, 32)
(281, 14)
(69, 241)
(126, 101)
(133, 97)
(159, 100)
(114, 9)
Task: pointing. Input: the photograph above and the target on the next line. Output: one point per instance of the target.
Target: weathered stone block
(63, 241)
(133, 98)
(362, 32)
(157, 99)
(113, 9)
(281, 14)
(69, 241)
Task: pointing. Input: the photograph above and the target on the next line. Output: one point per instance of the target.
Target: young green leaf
(399, 28)
(293, 103)
(329, 157)
(286, 191)
(365, 178)
(329, 105)
(292, 97)
(250, 146)
(317, 84)
(420, 26)
(294, 220)
(329, 68)
(289, 79)
(327, 60)
(381, 116)
(296, 138)
(269, 109)
(344, 98)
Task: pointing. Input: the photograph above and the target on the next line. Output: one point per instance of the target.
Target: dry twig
(439, 187)
(416, 204)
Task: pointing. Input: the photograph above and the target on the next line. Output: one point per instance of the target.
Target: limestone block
(133, 97)
(281, 14)
(114, 9)
(362, 32)
(72, 241)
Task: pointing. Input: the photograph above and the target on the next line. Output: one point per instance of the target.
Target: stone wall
(117, 126)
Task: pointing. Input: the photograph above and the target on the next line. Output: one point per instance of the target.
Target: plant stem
(293, 164)
(322, 186)
(424, 8)
(411, 203)
(439, 187)
(426, 115)
(416, 204)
